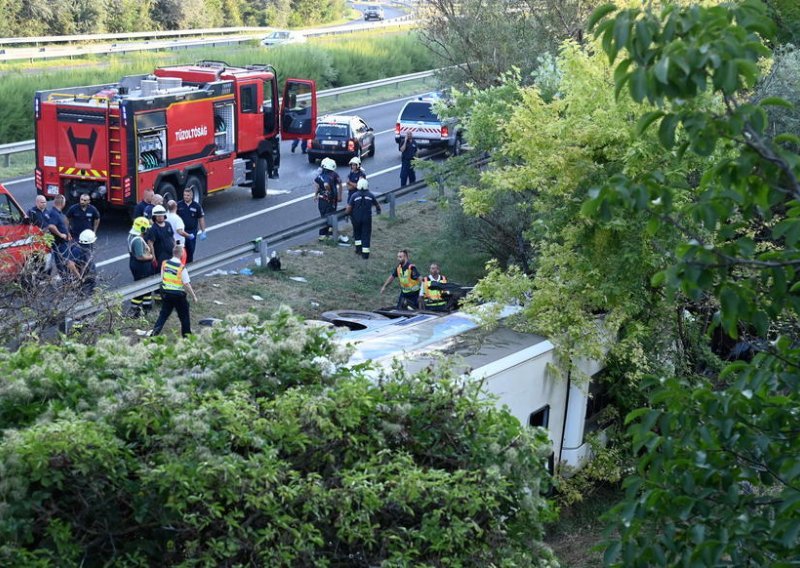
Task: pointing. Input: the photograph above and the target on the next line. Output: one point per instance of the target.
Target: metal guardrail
(27, 145)
(127, 35)
(261, 245)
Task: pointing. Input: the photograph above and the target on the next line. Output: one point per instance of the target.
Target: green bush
(255, 445)
(330, 63)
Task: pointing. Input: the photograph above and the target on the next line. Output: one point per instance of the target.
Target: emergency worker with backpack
(359, 207)
(327, 193)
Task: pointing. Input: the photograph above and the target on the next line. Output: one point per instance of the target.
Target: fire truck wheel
(259, 189)
(197, 186)
(167, 191)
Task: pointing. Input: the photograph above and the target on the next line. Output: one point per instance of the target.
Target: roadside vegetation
(331, 64)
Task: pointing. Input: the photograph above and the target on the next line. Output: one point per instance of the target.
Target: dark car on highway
(341, 137)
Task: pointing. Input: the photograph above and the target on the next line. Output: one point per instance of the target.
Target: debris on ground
(209, 321)
(298, 279)
(246, 272)
(257, 298)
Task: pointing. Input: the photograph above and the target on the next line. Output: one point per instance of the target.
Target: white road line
(23, 180)
(249, 215)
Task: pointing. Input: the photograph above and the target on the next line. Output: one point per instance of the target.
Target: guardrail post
(333, 223)
(392, 204)
(263, 251)
(6, 160)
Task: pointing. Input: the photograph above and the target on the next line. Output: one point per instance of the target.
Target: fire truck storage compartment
(224, 128)
(151, 134)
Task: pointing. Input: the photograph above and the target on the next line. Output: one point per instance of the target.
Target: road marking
(23, 180)
(248, 216)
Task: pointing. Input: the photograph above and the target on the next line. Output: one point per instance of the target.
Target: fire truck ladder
(115, 155)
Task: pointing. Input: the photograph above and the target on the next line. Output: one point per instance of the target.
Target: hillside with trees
(66, 17)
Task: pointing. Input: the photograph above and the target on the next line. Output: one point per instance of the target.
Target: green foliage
(717, 483)
(252, 445)
(334, 64)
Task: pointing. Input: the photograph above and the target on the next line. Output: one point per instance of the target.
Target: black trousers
(178, 302)
(362, 232)
(190, 245)
(410, 300)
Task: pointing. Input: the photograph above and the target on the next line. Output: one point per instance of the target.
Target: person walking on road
(194, 218)
(175, 282)
(408, 277)
(140, 263)
(327, 193)
(81, 216)
(408, 151)
(359, 207)
(431, 295)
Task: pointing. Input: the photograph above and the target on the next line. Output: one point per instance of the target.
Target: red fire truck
(183, 126)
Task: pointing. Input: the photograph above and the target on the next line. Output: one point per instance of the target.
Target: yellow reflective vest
(432, 297)
(171, 276)
(407, 284)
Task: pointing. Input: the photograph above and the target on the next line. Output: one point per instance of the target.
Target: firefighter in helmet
(356, 173)
(140, 263)
(327, 193)
(359, 207)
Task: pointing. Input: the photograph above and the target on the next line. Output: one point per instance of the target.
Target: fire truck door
(251, 119)
(299, 115)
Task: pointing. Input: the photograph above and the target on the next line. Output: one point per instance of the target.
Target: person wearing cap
(356, 173)
(160, 237)
(140, 263)
(81, 216)
(327, 193)
(175, 282)
(359, 207)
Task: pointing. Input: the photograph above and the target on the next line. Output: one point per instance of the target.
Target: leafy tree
(129, 16)
(717, 483)
(254, 445)
(486, 39)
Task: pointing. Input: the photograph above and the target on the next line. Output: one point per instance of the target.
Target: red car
(20, 240)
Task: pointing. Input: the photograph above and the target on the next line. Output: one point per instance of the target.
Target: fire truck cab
(182, 126)
(20, 240)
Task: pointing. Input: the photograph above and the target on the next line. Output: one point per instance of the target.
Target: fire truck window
(247, 98)
(9, 214)
(269, 105)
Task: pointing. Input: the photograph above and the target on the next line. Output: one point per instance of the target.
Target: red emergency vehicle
(183, 126)
(20, 241)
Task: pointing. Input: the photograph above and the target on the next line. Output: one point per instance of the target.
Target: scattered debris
(257, 298)
(208, 322)
(246, 272)
(143, 332)
(298, 279)
(219, 303)
(274, 261)
(314, 304)
(220, 272)
(344, 239)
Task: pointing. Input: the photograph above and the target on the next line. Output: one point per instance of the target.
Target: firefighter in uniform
(432, 297)
(140, 263)
(356, 173)
(174, 284)
(194, 218)
(359, 207)
(327, 192)
(159, 236)
(408, 276)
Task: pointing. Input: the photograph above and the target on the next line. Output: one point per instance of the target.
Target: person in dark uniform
(327, 192)
(59, 229)
(356, 173)
(159, 236)
(140, 263)
(408, 277)
(39, 214)
(194, 218)
(174, 283)
(81, 216)
(359, 207)
(408, 151)
(141, 207)
(79, 260)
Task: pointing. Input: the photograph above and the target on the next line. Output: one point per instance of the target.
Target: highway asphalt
(233, 217)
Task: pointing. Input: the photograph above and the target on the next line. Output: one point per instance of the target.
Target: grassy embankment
(332, 62)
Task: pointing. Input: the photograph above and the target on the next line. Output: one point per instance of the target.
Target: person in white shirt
(178, 226)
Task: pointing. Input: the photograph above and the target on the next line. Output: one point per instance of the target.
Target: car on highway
(282, 37)
(21, 241)
(430, 132)
(373, 13)
(341, 137)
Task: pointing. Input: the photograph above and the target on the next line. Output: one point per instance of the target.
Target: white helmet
(87, 237)
(355, 160)
(362, 184)
(328, 164)
(159, 210)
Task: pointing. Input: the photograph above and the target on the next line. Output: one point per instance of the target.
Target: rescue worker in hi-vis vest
(431, 295)
(408, 276)
(174, 283)
(359, 207)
